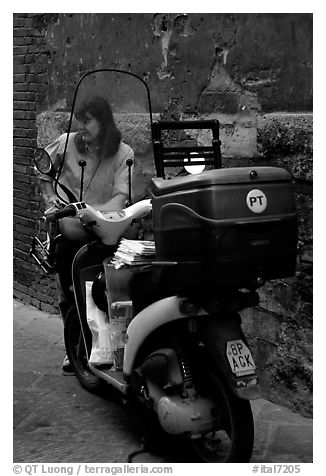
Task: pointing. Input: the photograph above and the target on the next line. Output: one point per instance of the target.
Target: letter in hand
(50, 197)
(54, 200)
(52, 203)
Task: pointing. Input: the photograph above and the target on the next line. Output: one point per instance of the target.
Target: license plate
(240, 358)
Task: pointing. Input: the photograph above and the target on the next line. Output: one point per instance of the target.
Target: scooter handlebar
(108, 226)
(68, 211)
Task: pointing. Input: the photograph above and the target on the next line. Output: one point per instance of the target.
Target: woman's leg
(65, 253)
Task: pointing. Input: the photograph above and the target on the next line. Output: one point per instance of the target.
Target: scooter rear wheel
(233, 436)
(76, 351)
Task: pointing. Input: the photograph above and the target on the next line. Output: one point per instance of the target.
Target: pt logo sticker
(256, 201)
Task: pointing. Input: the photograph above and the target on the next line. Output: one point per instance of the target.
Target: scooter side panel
(148, 320)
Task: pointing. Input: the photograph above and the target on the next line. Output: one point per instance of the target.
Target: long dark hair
(109, 137)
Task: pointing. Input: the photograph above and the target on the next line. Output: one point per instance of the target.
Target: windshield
(128, 97)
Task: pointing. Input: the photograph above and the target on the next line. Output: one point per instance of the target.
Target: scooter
(219, 235)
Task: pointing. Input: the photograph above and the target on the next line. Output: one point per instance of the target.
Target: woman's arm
(72, 229)
(116, 203)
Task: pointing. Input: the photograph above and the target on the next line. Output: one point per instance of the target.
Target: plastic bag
(102, 352)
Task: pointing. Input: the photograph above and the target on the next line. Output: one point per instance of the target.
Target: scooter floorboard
(113, 377)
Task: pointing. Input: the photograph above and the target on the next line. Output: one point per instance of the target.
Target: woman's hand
(49, 195)
(53, 199)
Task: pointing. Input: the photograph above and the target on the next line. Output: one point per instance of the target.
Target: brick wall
(29, 91)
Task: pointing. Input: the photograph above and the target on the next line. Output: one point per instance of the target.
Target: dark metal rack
(167, 156)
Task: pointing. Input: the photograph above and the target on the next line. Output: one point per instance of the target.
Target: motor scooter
(219, 235)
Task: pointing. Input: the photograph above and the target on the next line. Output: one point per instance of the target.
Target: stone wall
(252, 72)
(281, 328)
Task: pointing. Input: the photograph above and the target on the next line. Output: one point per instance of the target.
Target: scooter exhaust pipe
(177, 415)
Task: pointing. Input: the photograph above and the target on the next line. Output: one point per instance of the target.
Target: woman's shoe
(66, 365)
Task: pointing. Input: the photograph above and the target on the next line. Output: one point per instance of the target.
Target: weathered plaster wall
(231, 66)
(253, 72)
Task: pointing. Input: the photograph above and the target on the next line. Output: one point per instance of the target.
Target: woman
(98, 143)
(105, 185)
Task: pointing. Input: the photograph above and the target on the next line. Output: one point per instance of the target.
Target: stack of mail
(134, 252)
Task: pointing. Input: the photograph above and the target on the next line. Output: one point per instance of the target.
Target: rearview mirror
(42, 161)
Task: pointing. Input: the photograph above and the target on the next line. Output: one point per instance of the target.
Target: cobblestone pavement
(56, 420)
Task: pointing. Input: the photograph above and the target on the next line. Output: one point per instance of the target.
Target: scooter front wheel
(76, 351)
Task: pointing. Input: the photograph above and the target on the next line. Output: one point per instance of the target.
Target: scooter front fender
(148, 320)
